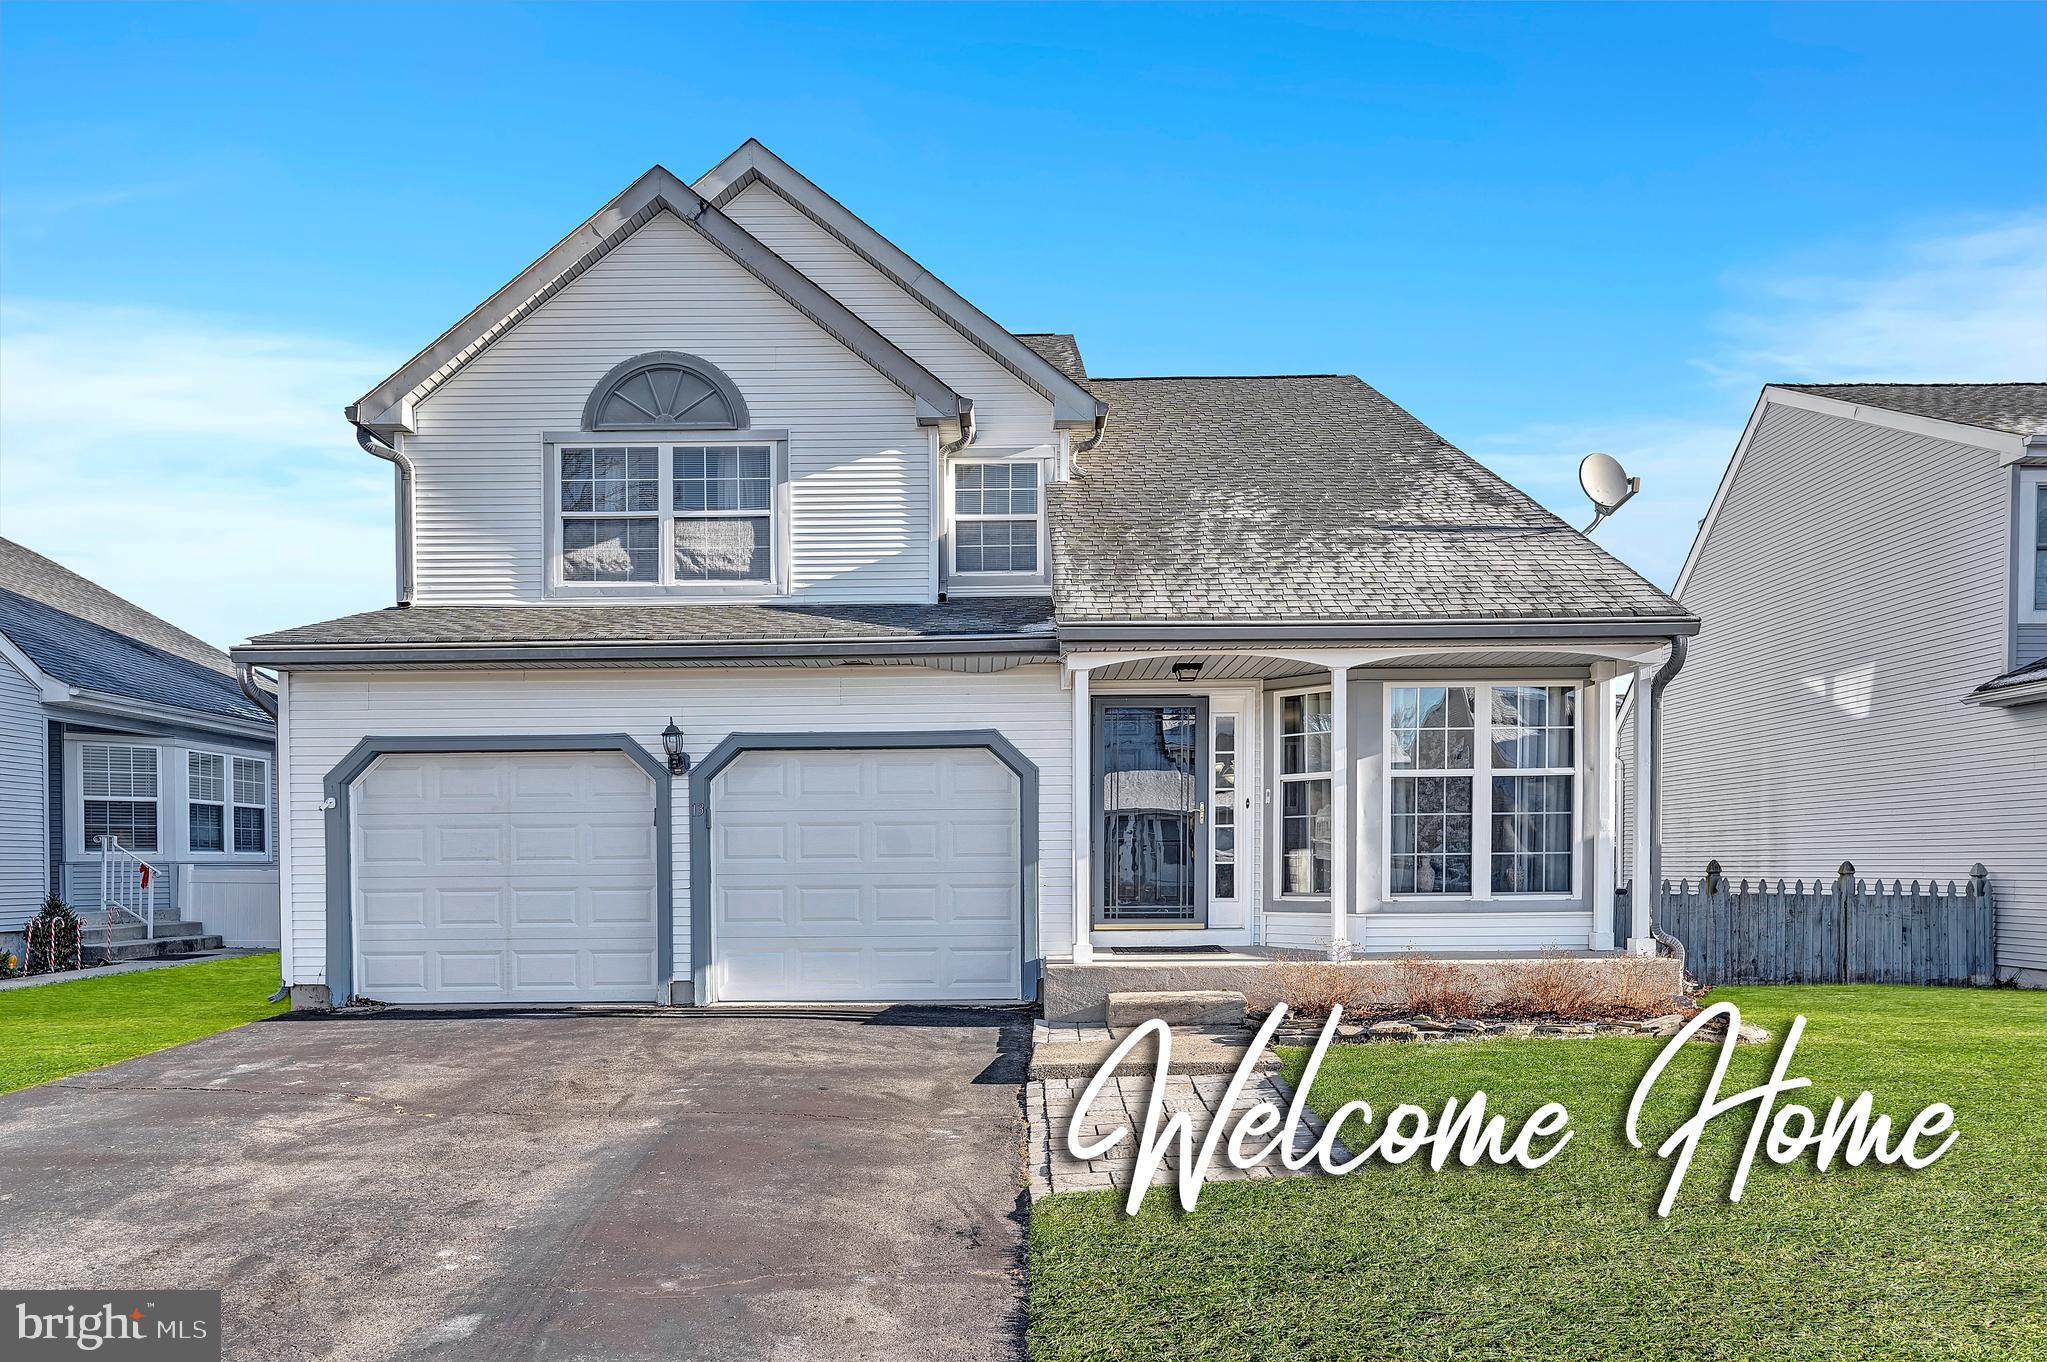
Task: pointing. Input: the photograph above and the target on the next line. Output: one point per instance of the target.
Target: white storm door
(891, 875)
(505, 878)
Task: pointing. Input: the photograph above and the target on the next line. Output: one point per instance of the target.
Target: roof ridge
(1182, 378)
(1906, 383)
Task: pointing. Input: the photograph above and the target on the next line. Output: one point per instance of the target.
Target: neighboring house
(116, 725)
(985, 666)
(1871, 681)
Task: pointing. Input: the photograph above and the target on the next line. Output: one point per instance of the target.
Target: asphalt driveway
(622, 1186)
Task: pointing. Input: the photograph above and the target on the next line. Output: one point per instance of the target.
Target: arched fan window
(666, 390)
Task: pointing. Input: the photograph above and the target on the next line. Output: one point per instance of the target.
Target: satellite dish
(1606, 484)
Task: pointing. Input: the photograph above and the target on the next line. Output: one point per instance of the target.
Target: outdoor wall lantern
(671, 743)
(1184, 672)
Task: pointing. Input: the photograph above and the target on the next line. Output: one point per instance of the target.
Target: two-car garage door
(835, 875)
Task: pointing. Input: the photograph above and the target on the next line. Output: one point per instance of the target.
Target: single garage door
(505, 878)
(866, 876)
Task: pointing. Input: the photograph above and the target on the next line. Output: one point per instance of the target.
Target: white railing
(129, 884)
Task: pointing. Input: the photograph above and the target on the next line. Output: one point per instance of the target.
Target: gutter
(245, 677)
(1236, 631)
(373, 443)
(1664, 675)
(430, 654)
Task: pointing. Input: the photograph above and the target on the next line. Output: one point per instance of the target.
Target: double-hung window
(227, 803)
(1483, 790)
(251, 792)
(206, 801)
(996, 517)
(118, 786)
(673, 517)
(1304, 754)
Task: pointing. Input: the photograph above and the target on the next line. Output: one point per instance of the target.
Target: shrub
(1311, 988)
(1435, 988)
(1554, 986)
(1640, 990)
(52, 938)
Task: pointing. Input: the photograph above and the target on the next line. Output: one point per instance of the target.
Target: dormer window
(662, 511)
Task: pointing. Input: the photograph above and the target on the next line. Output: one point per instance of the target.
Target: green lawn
(57, 1029)
(1571, 1261)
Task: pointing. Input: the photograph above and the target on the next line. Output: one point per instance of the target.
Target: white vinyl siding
(860, 468)
(330, 713)
(1007, 411)
(1820, 716)
(24, 834)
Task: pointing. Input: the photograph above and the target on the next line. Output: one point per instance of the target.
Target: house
(1870, 684)
(974, 665)
(137, 779)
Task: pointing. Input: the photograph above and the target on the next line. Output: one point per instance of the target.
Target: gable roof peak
(753, 163)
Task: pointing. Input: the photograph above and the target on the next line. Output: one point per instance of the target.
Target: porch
(1450, 797)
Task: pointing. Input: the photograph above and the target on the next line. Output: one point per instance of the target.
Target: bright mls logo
(163, 1326)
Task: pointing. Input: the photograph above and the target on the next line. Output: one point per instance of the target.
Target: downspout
(967, 430)
(1653, 881)
(1101, 428)
(402, 467)
(245, 677)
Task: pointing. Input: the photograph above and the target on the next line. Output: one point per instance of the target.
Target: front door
(1152, 794)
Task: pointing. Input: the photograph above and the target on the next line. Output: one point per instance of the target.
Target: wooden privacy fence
(1835, 931)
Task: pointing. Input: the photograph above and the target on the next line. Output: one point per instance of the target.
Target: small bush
(52, 938)
(1554, 986)
(1640, 989)
(1435, 988)
(1311, 988)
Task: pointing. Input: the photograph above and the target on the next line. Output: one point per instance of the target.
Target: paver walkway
(1124, 1101)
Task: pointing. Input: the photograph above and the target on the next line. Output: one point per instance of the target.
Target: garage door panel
(533, 880)
(887, 875)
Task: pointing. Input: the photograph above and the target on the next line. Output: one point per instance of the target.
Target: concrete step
(123, 930)
(1218, 1009)
(1194, 1054)
(163, 947)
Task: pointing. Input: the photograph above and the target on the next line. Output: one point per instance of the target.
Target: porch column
(1606, 793)
(1342, 827)
(1082, 805)
(1643, 893)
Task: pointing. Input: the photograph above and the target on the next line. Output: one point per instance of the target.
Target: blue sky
(1542, 230)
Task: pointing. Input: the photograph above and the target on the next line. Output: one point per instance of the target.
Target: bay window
(1482, 797)
(666, 518)
(1304, 752)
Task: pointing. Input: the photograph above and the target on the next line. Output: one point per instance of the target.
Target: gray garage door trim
(340, 853)
(725, 753)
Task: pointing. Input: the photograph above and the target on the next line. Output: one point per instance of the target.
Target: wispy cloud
(197, 465)
(1967, 304)
(1960, 305)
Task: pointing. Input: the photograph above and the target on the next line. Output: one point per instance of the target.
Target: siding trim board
(340, 895)
(735, 745)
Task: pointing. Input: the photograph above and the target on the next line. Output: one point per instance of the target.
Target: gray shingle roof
(1308, 498)
(1061, 351)
(2017, 408)
(85, 636)
(1026, 617)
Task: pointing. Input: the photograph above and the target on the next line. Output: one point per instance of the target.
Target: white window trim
(74, 798)
(1276, 824)
(1482, 772)
(665, 443)
(2031, 481)
(994, 583)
